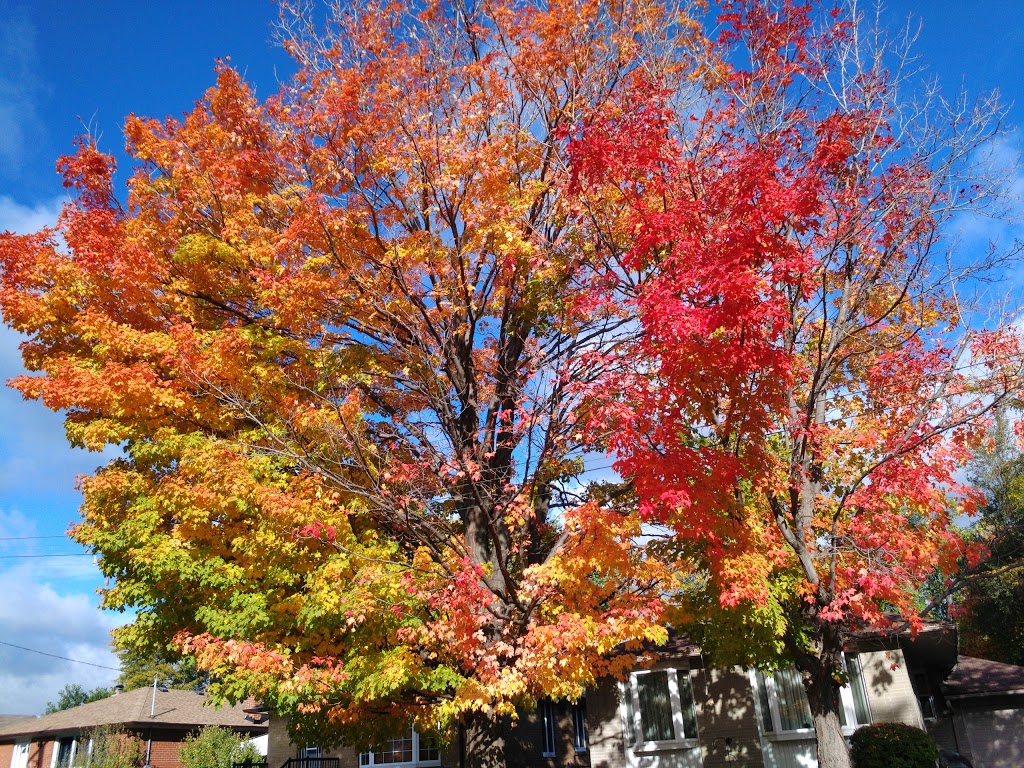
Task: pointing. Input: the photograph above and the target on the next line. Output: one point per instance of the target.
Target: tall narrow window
(858, 692)
(762, 697)
(686, 704)
(659, 710)
(579, 725)
(547, 713)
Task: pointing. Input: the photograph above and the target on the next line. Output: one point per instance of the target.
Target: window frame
(580, 737)
(846, 701)
(549, 728)
(371, 755)
(637, 744)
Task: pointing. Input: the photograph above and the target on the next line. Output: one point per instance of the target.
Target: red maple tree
(806, 377)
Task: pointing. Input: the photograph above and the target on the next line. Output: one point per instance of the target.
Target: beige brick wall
(890, 694)
(726, 719)
(604, 726)
(279, 745)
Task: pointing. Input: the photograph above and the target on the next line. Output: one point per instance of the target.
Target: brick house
(680, 713)
(160, 719)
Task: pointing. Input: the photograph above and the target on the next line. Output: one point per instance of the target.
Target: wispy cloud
(20, 88)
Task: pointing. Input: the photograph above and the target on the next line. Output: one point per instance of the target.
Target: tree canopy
(359, 340)
(74, 695)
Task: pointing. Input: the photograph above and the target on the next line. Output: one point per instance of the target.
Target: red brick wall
(164, 750)
(6, 753)
(39, 754)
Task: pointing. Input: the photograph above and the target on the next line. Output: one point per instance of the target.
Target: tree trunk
(483, 742)
(832, 749)
(820, 673)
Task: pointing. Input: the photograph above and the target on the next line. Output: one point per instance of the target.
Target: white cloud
(24, 219)
(38, 616)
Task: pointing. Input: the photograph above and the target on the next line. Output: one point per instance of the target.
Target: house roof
(973, 677)
(8, 719)
(171, 709)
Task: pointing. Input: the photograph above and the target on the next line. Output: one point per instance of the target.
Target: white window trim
(72, 753)
(20, 753)
(415, 763)
(628, 688)
(778, 734)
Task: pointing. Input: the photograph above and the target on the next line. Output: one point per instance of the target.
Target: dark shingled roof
(173, 709)
(981, 677)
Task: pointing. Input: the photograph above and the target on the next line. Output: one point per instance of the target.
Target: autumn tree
(810, 371)
(990, 606)
(333, 334)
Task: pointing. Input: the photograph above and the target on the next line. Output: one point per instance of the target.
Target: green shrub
(111, 747)
(216, 747)
(893, 745)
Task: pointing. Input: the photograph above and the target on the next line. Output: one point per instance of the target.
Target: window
(547, 715)
(20, 757)
(923, 691)
(659, 709)
(579, 725)
(66, 749)
(409, 749)
(783, 706)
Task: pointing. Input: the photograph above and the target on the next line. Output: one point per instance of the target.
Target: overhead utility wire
(26, 538)
(55, 656)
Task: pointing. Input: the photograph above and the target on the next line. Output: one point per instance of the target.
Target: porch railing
(312, 762)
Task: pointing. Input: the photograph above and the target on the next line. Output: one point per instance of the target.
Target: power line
(69, 554)
(55, 656)
(27, 538)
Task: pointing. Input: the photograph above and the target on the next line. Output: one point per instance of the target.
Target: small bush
(893, 745)
(216, 747)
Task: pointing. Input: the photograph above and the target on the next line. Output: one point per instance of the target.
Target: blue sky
(66, 65)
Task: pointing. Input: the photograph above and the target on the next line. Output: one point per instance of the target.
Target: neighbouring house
(680, 713)
(159, 718)
(978, 711)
